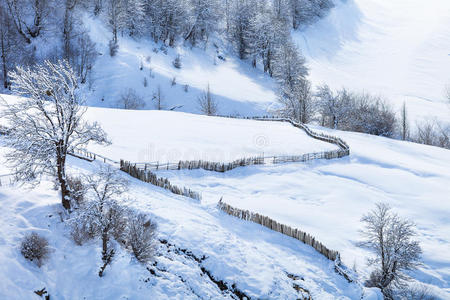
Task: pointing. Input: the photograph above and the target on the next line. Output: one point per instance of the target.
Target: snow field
(257, 260)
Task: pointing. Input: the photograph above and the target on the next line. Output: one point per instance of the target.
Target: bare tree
(29, 16)
(10, 46)
(208, 105)
(389, 237)
(158, 98)
(130, 100)
(47, 123)
(404, 122)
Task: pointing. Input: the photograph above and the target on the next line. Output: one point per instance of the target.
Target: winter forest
(224, 149)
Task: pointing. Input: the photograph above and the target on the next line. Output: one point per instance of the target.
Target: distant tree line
(257, 29)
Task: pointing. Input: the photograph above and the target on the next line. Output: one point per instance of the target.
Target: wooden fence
(150, 177)
(91, 156)
(343, 150)
(284, 229)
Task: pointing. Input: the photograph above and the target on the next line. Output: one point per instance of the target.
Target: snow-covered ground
(399, 49)
(328, 198)
(254, 258)
(164, 136)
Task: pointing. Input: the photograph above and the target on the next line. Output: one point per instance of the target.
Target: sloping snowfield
(237, 87)
(253, 258)
(399, 49)
(148, 136)
(328, 198)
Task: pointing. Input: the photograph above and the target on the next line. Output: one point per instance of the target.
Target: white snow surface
(164, 136)
(327, 198)
(255, 259)
(399, 49)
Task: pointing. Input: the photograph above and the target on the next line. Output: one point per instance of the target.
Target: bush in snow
(389, 237)
(77, 189)
(35, 248)
(177, 62)
(141, 236)
(350, 111)
(432, 132)
(130, 100)
(416, 292)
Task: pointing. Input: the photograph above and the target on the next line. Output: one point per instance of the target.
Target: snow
(237, 87)
(148, 136)
(256, 259)
(399, 49)
(317, 196)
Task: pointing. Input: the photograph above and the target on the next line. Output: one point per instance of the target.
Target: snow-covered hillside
(399, 49)
(148, 136)
(238, 89)
(260, 262)
(328, 198)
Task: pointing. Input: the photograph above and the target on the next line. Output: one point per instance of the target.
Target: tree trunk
(5, 70)
(61, 170)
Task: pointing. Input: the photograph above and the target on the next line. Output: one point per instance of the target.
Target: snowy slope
(328, 198)
(399, 49)
(238, 88)
(256, 259)
(148, 136)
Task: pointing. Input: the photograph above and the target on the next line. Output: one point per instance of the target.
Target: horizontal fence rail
(278, 227)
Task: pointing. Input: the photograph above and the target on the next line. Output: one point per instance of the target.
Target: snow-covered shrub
(113, 48)
(360, 112)
(130, 100)
(141, 236)
(177, 62)
(417, 292)
(35, 248)
(432, 132)
(81, 229)
(77, 189)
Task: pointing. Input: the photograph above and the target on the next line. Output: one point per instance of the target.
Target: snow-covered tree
(204, 20)
(390, 238)
(294, 89)
(135, 14)
(304, 12)
(29, 17)
(168, 19)
(104, 216)
(10, 46)
(47, 123)
(241, 34)
(334, 108)
(116, 17)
